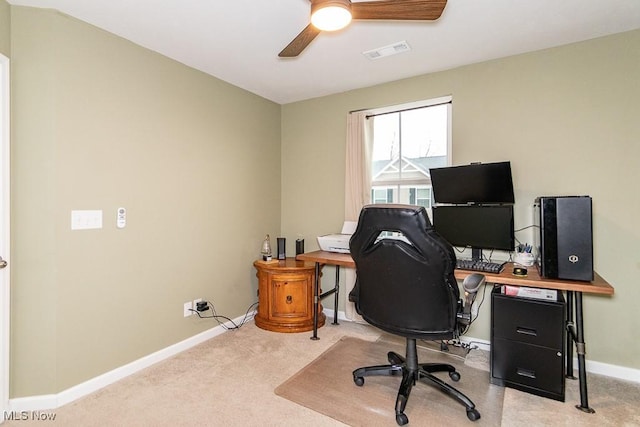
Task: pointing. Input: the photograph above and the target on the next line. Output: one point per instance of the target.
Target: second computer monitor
(476, 226)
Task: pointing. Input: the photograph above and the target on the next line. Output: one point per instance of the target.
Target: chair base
(411, 372)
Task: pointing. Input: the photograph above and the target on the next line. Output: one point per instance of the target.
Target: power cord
(467, 346)
(490, 256)
(528, 226)
(247, 317)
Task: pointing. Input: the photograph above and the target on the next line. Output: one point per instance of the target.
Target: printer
(338, 242)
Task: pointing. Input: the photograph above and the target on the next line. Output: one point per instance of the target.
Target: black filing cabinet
(528, 344)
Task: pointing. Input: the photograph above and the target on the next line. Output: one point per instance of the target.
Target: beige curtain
(357, 185)
(358, 164)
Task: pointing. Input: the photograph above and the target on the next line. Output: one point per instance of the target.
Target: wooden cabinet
(528, 344)
(285, 296)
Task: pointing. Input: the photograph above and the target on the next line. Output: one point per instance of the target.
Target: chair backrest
(405, 283)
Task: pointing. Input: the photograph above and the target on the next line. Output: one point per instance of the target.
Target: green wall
(100, 123)
(5, 28)
(566, 118)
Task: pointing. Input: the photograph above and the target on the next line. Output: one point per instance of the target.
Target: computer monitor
(474, 183)
(476, 226)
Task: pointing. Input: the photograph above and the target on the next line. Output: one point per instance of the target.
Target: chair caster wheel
(455, 376)
(473, 414)
(401, 419)
(359, 381)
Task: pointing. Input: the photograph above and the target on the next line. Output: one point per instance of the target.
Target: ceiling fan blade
(299, 43)
(413, 10)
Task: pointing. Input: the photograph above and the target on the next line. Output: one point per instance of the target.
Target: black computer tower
(565, 237)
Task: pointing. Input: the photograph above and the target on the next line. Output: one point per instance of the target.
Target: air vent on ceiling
(391, 49)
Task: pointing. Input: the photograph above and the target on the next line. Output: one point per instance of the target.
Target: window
(420, 196)
(382, 195)
(408, 140)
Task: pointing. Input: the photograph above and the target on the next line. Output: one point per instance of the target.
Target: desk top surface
(325, 257)
(533, 279)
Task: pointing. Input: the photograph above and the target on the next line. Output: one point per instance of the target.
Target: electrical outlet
(195, 303)
(187, 309)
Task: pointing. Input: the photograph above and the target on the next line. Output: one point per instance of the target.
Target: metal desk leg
(570, 337)
(337, 291)
(316, 301)
(580, 350)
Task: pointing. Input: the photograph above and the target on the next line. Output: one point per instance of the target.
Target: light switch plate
(86, 219)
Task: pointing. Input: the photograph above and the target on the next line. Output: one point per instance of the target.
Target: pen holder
(524, 258)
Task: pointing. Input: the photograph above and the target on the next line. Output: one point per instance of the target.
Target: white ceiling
(238, 41)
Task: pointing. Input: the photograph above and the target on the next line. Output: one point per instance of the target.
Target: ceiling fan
(345, 10)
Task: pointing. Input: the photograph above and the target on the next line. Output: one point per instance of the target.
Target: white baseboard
(608, 370)
(52, 401)
(329, 313)
(481, 344)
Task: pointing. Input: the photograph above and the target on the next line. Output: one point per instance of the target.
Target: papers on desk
(536, 293)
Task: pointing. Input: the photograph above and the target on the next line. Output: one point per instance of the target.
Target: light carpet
(326, 386)
(230, 380)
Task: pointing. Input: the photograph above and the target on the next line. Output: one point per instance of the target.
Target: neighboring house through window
(408, 140)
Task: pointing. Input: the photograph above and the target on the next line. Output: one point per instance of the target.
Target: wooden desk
(574, 290)
(321, 258)
(533, 280)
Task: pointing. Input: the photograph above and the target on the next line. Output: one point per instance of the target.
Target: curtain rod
(397, 111)
(405, 109)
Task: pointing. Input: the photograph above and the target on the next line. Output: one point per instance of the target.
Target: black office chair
(405, 286)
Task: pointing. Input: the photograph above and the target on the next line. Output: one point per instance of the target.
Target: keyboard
(482, 266)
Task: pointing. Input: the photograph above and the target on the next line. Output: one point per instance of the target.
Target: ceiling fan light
(331, 15)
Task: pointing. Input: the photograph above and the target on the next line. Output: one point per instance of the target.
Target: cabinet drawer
(539, 370)
(528, 321)
(291, 297)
